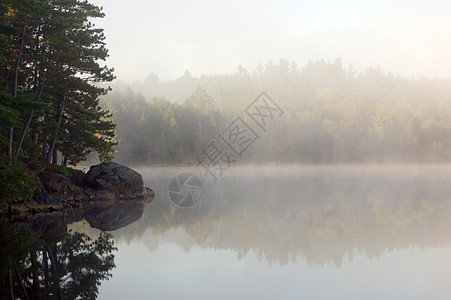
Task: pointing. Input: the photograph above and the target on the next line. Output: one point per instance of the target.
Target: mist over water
(260, 225)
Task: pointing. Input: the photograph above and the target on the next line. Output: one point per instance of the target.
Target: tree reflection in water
(321, 215)
(69, 265)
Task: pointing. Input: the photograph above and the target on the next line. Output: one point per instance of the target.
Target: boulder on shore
(113, 177)
(110, 183)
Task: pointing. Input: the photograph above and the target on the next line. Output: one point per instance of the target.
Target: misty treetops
(332, 115)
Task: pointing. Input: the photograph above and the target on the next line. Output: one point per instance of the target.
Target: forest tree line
(51, 57)
(332, 114)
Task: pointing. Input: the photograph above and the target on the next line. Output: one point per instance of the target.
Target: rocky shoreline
(103, 186)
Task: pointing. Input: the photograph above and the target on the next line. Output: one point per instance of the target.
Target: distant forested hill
(331, 115)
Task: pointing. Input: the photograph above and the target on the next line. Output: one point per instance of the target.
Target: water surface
(336, 232)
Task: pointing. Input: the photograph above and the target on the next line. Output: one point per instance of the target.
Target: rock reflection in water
(115, 216)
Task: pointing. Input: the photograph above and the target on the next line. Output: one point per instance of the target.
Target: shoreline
(104, 185)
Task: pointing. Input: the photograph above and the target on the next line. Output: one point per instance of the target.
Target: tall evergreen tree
(50, 69)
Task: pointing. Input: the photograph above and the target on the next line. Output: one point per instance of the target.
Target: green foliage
(50, 70)
(161, 131)
(63, 170)
(8, 114)
(16, 183)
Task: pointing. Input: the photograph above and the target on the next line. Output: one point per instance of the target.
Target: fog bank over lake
(286, 230)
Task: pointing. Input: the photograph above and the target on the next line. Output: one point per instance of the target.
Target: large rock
(113, 177)
(77, 178)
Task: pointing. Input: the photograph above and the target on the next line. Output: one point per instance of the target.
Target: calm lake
(297, 232)
(273, 232)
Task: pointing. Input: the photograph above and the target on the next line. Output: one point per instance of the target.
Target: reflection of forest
(41, 260)
(321, 218)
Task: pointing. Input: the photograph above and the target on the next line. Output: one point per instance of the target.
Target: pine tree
(50, 75)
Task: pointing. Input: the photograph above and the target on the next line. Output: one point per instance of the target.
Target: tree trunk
(10, 143)
(51, 249)
(46, 271)
(60, 117)
(19, 58)
(38, 98)
(37, 79)
(55, 157)
(11, 288)
(44, 146)
(24, 133)
(34, 270)
(22, 285)
(7, 79)
(35, 138)
(16, 81)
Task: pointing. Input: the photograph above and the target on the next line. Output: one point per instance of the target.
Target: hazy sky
(412, 38)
